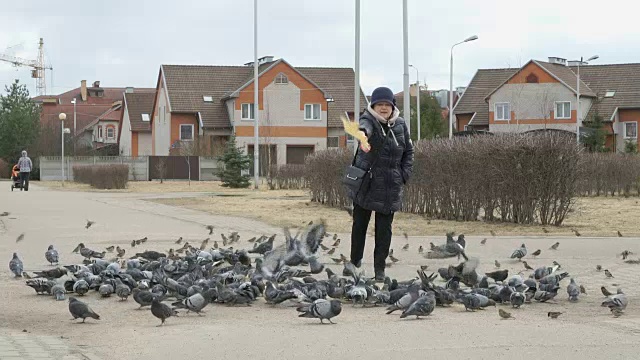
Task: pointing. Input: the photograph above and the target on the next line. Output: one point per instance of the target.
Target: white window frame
(145, 117)
(281, 79)
(192, 132)
(107, 132)
(99, 131)
(508, 113)
(555, 110)
(250, 108)
(206, 98)
(313, 106)
(610, 93)
(625, 129)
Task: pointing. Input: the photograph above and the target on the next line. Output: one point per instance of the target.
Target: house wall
(161, 127)
(104, 124)
(126, 136)
(281, 145)
(144, 143)
(180, 119)
(462, 120)
(134, 144)
(624, 116)
(338, 132)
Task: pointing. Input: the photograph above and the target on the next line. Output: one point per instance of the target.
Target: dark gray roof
(186, 85)
(567, 76)
(473, 99)
(623, 78)
(139, 103)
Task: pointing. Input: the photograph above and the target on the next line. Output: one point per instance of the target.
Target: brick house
(542, 95)
(103, 130)
(135, 120)
(300, 108)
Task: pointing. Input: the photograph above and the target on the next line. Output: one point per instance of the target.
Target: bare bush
(609, 174)
(324, 171)
(288, 176)
(111, 176)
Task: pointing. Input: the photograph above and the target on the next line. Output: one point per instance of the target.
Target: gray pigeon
(424, 306)
(58, 292)
(573, 290)
(195, 303)
(81, 287)
(618, 301)
(274, 295)
(470, 302)
(406, 300)
(122, 290)
(517, 299)
(106, 290)
(520, 252)
(321, 309)
(16, 266)
(51, 255)
(78, 309)
(543, 296)
(143, 297)
(162, 311)
(315, 266)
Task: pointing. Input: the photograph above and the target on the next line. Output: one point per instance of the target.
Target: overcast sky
(123, 42)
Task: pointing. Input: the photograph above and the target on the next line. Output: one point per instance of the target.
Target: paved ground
(53, 217)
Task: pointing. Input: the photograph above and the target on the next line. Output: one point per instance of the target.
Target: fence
(141, 168)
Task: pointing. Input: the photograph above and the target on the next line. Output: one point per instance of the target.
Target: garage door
(297, 153)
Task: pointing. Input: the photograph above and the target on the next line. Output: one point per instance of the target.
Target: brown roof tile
(473, 99)
(139, 103)
(567, 76)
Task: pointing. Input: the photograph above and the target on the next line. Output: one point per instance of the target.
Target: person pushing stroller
(25, 166)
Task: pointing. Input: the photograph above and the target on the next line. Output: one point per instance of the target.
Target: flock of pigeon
(189, 278)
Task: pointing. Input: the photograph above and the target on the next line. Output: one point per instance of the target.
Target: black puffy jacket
(381, 191)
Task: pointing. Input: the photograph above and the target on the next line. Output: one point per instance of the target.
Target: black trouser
(383, 223)
(24, 180)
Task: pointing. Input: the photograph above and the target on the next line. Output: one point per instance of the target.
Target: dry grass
(592, 216)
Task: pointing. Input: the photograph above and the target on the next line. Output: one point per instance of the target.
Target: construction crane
(38, 67)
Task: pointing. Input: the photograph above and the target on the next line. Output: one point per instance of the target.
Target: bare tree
(161, 168)
(544, 100)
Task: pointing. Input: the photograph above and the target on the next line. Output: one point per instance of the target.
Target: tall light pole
(62, 117)
(578, 120)
(405, 46)
(256, 146)
(74, 126)
(471, 38)
(417, 99)
(356, 84)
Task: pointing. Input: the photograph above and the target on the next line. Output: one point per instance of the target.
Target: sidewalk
(27, 346)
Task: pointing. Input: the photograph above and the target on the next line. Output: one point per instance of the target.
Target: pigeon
(573, 290)
(554, 314)
(88, 253)
(78, 309)
(423, 306)
(81, 287)
(122, 290)
(89, 223)
(504, 314)
(16, 266)
(195, 303)
(210, 228)
(499, 275)
(106, 290)
(517, 299)
(555, 246)
(470, 302)
(406, 300)
(321, 309)
(52, 273)
(273, 295)
(51, 255)
(162, 311)
(58, 292)
(20, 237)
(607, 273)
(519, 253)
(142, 297)
(618, 301)
(536, 253)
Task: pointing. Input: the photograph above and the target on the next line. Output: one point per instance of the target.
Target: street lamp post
(471, 38)
(356, 84)
(405, 46)
(578, 120)
(74, 126)
(417, 99)
(256, 117)
(62, 117)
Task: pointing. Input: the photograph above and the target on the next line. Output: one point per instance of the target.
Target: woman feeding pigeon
(389, 161)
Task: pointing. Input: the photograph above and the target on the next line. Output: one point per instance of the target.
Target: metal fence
(139, 167)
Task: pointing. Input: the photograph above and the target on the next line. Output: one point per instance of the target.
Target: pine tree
(235, 161)
(19, 122)
(596, 138)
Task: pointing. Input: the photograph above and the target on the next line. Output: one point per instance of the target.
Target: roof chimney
(96, 84)
(83, 90)
(129, 90)
(557, 60)
(265, 59)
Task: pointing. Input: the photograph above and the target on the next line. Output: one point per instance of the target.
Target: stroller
(16, 183)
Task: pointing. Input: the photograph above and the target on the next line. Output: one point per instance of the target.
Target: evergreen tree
(595, 139)
(235, 161)
(432, 124)
(19, 122)
(631, 146)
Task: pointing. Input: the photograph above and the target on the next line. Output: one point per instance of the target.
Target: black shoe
(346, 272)
(380, 275)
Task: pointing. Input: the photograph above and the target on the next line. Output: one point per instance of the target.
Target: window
(99, 132)
(145, 117)
(281, 79)
(333, 141)
(207, 98)
(503, 111)
(532, 78)
(248, 112)
(610, 93)
(186, 132)
(563, 110)
(631, 130)
(466, 128)
(312, 112)
(111, 132)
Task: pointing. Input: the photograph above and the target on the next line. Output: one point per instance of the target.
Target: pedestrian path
(26, 346)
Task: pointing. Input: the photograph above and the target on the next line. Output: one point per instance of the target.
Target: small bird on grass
(555, 246)
(607, 273)
(545, 230)
(536, 253)
(505, 314)
(554, 314)
(576, 232)
(89, 224)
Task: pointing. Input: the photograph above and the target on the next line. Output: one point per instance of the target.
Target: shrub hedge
(111, 176)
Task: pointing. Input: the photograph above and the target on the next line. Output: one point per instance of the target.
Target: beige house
(103, 131)
(196, 108)
(135, 137)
